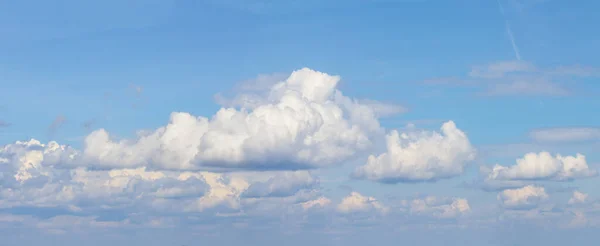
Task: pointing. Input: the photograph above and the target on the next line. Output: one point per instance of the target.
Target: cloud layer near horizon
(260, 159)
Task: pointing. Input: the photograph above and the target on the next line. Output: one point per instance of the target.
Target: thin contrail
(509, 31)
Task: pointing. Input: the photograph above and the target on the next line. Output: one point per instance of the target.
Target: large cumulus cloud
(29, 181)
(543, 166)
(302, 122)
(420, 156)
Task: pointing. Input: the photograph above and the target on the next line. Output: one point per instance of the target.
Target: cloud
(137, 88)
(285, 184)
(29, 179)
(420, 156)
(500, 69)
(4, 124)
(507, 78)
(320, 202)
(88, 124)
(32, 183)
(543, 166)
(57, 123)
(306, 123)
(437, 207)
(578, 198)
(355, 202)
(565, 134)
(528, 86)
(509, 32)
(523, 198)
(381, 109)
(251, 93)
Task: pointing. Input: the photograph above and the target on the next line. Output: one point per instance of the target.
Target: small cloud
(500, 69)
(439, 207)
(4, 124)
(578, 197)
(526, 198)
(526, 87)
(56, 124)
(88, 124)
(532, 86)
(505, 78)
(542, 166)
(566, 134)
(356, 202)
(137, 88)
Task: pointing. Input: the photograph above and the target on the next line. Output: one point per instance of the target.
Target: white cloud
(251, 93)
(320, 202)
(536, 166)
(565, 134)
(523, 198)
(355, 202)
(28, 179)
(437, 207)
(578, 197)
(304, 123)
(420, 156)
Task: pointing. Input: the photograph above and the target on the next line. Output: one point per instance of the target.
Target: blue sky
(507, 80)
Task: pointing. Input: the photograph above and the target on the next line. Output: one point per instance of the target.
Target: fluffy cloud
(578, 198)
(320, 202)
(420, 156)
(29, 180)
(437, 207)
(523, 198)
(536, 166)
(303, 122)
(355, 202)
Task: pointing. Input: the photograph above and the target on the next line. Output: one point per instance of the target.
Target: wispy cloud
(4, 123)
(520, 78)
(138, 90)
(566, 134)
(509, 32)
(56, 124)
(88, 124)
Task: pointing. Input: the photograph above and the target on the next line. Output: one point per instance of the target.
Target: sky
(178, 122)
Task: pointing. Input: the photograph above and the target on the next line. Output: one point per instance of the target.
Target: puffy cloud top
(420, 156)
(30, 178)
(523, 198)
(320, 202)
(355, 202)
(544, 166)
(304, 122)
(437, 207)
(578, 197)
